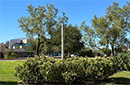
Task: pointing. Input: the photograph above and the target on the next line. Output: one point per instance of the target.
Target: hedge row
(10, 55)
(72, 70)
(122, 61)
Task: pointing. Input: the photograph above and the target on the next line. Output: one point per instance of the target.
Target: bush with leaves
(29, 72)
(88, 69)
(86, 52)
(100, 68)
(123, 61)
(10, 55)
(71, 70)
(13, 55)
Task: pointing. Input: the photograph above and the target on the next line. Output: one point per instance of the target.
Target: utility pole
(62, 41)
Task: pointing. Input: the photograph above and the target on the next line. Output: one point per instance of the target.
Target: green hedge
(72, 70)
(10, 55)
(123, 61)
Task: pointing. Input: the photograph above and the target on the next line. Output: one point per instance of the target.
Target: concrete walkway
(18, 59)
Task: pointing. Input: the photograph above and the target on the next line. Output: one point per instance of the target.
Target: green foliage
(32, 45)
(10, 55)
(13, 55)
(30, 71)
(51, 70)
(86, 52)
(6, 56)
(41, 21)
(71, 70)
(100, 68)
(72, 39)
(89, 35)
(106, 50)
(111, 29)
(123, 61)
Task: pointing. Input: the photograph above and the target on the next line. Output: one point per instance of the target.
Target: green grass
(124, 74)
(7, 72)
(122, 77)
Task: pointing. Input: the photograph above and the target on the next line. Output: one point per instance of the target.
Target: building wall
(24, 54)
(13, 41)
(25, 41)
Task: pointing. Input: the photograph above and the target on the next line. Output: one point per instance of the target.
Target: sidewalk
(13, 59)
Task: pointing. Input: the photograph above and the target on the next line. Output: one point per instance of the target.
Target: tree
(89, 37)
(110, 28)
(72, 40)
(39, 23)
(32, 45)
(47, 47)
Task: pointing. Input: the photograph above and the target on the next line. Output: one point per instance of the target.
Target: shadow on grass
(121, 80)
(8, 83)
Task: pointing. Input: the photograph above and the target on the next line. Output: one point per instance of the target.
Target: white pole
(62, 41)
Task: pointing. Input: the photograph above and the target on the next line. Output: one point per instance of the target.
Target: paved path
(18, 59)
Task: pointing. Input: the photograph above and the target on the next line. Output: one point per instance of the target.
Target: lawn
(122, 77)
(7, 74)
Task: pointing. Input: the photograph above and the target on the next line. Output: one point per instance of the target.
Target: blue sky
(76, 10)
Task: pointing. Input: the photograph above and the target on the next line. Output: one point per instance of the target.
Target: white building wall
(13, 41)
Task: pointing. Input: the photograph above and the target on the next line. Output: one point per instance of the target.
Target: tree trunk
(112, 46)
(107, 47)
(69, 54)
(38, 46)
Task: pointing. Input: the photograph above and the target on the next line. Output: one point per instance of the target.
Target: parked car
(72, 55)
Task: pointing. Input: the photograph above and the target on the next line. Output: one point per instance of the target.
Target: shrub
(10, 55)
(100, 68)
(71, 70)
(6, 56)
(86, 52)
(29, 72)
(13, 55)
(123, 61)
(86, 69)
